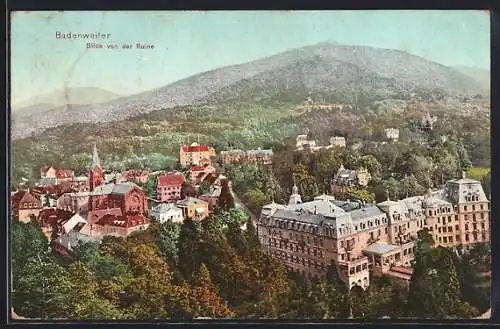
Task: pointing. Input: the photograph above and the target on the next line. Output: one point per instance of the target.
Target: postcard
(303, 165)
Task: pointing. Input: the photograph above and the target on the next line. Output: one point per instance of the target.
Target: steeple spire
(96, 162)
(295, 198)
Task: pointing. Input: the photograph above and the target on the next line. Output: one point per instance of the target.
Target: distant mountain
(323, 68)
(63, 97)
(479, 74)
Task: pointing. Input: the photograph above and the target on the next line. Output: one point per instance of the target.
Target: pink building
(168, 187)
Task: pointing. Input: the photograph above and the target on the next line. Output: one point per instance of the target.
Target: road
(237, 201)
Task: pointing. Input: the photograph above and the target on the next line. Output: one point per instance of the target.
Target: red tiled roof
(210, 179)
(121, 221)
(195, 148)
(58, 190)
(64, 173)
(402, 269)
(198, 168)
(398, 275)
(171, 180)
(47, 216)
(17, 197)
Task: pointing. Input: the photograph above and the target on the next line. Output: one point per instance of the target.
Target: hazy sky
(187, 43)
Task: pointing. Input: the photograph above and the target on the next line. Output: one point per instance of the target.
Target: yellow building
(196, 155)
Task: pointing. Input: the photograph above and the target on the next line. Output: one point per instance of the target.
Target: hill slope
(481, 75)
(323, 67)
(58, 98)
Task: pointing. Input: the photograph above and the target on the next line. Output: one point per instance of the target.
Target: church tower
(295, 198)
(96, 175)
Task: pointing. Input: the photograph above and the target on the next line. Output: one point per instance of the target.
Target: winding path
(238, 201)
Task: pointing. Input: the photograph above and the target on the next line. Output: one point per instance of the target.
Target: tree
(188, 190)
(435, 286)
(226, 200)
(41, 290)
(87, 305)
(359, 194)
(206, 298)
(255, 199)
(189, 246)
(151, 284)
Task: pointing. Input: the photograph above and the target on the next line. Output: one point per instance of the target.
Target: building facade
(338, 141)
(25, 206)
(165, 212)
(255, 156)
(392, 134)
(348, 178)
(168, 187)
(364, 240)
(195, 155)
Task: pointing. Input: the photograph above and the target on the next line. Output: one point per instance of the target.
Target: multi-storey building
(392, 134)
(256, 156)
(346, 178)
(374, 239)
(195, 155)
(338, 141)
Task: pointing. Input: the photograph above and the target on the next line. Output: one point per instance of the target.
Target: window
(450, 228)
(451, 239)
(457, 238)
(483, 236)
(482, 226)
(466, 227)
(465, 208)
(440, 239)
(439, 230)
(473, 207)
(482, 215)
(449, 219)
(456, 218)
(467, 237)
(481, 207)
(445, 239)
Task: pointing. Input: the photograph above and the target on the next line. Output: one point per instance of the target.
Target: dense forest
(218, 269)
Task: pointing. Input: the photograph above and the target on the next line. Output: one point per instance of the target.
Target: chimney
(315, 210)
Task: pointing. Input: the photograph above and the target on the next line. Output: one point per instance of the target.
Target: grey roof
(366, 212)
(259, 152)
(323, 207)
(215, 193)
(165, 207)
(189, 200)
(233, 152)
(112, 188)
(457, 190)
(300, 215)
(72, 239)
(347, 205)
(380, 248)
(346, 174)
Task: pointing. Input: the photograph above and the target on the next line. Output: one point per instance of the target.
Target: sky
(187, 43)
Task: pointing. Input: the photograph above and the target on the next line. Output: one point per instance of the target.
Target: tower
(96, 175)
(295, 198)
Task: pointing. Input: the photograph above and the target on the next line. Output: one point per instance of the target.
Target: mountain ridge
(405, 71)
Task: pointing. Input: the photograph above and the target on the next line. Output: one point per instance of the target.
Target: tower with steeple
(295, 198)
(96, 175)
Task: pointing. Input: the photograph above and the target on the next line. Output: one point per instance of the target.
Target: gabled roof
(176, 179)
(121, 188)
(190, 200)
(23, 196)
